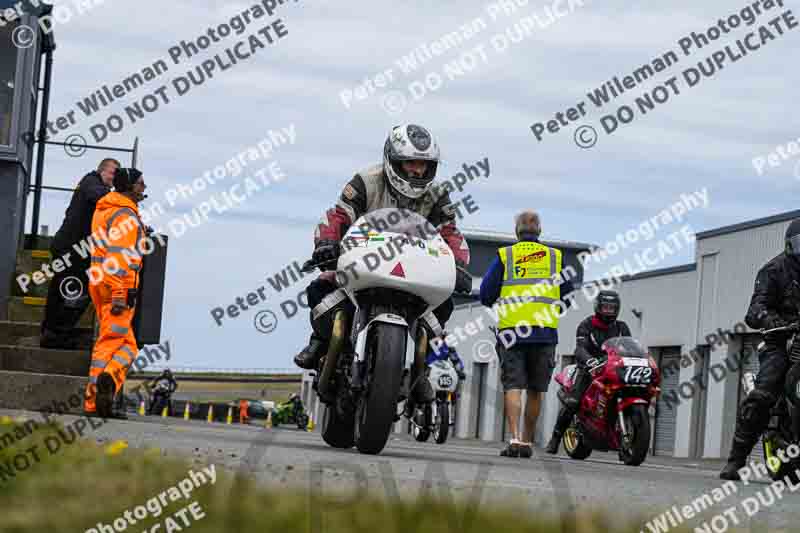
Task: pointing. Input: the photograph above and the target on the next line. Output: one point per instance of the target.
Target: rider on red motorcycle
(404, 180)
(591, 335)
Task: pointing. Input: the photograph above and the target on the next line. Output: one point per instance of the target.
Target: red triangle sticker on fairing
(398, 271)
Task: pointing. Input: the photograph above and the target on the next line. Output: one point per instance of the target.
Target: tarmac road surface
(463, 469)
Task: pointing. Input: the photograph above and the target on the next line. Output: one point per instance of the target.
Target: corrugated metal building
(671, 310)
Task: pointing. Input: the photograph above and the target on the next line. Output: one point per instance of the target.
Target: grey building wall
(728, 260)
(16, 156)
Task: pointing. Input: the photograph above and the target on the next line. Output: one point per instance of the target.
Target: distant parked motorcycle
(435, 417)
(784, 424)
(290, 412)
(613, 413)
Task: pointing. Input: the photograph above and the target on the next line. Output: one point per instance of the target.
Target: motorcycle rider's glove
(463, 280)
(774, 321)
(595, 362)
(325, 254)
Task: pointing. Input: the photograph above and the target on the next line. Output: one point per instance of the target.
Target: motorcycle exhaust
(338, 336)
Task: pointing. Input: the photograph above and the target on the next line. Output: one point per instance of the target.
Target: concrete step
(38, 243)
(42, 392)
(27, 334)
(28, 262)
(30, 309)
(42, 360)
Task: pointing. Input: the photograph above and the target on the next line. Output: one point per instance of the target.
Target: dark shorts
(527, 366)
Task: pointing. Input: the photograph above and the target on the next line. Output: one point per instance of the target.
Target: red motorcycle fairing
(624, 403)
(608, 387)
(565, 377)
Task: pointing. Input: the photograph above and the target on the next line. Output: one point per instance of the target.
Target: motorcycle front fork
(626, 436)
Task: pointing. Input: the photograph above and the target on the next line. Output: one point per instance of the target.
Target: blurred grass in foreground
(84, 483)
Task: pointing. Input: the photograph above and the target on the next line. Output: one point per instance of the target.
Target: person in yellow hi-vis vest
(526, 288)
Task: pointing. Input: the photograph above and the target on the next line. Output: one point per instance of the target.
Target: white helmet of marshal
(410, 142)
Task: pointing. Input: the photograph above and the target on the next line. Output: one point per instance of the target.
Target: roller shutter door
(750, 346)
(666, 415)
(480, 371)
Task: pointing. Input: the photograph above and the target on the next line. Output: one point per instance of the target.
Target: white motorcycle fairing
(443, 377)
(398, 258)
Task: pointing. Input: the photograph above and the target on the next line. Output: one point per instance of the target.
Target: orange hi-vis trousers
(115, 349)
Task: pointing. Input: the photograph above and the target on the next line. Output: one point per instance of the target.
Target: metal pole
(37, 195)
(135, 152)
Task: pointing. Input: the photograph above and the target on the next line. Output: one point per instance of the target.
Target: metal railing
(41, 140)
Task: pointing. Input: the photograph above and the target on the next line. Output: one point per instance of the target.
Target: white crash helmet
(410, 142)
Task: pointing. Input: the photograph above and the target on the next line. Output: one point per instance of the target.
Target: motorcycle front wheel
(639, 421)
(777, 469)
(574, 443)
(441, 427)
(377, 407)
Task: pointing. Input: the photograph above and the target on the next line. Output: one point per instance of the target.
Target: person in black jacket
(62, 314)
(163, 387)
(591, 334)
(774, 304)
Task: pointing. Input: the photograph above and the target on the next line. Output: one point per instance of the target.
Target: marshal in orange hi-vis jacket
(114, 277)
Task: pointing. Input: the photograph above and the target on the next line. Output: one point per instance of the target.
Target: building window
(8, 73)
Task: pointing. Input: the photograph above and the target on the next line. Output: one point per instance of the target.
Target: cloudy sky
(704, 137)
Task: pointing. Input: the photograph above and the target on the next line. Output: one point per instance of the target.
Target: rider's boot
(309, 357)
(582, 381)
(736, 459)
(562, 423)
(753, 419)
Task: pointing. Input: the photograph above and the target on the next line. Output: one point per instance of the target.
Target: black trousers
(753, 416)
(61, 313)
(320, 288)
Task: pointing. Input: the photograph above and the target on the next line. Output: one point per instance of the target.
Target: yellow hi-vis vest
(531, 287)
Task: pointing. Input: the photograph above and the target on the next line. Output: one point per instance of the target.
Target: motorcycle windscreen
(626, 347)
(397, 249)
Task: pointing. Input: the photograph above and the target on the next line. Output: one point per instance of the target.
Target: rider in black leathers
(774, 304)
(162, 386)
(591, 335)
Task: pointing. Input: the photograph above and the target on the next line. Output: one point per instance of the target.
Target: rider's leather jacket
(776, 292)
(592, 333)
(369, 190)
(165, 384)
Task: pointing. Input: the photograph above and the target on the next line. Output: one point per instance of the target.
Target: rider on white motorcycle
(443, 352)
(404, 180)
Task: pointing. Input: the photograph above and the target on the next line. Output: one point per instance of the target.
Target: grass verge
(83, 484)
